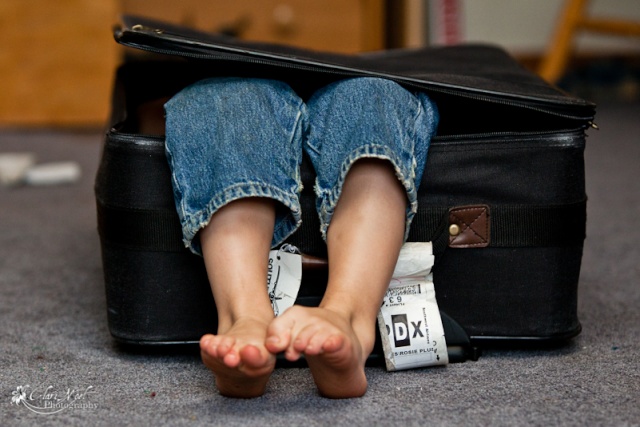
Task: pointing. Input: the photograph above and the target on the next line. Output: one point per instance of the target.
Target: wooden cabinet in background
(346, 26)
(57, 58)
(56, 62)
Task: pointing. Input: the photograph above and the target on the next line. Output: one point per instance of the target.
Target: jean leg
(367, 118)
(230, 138)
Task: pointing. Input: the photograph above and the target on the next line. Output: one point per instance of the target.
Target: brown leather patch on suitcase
(469, 227)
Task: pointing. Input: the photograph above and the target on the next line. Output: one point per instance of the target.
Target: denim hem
(192, 223)
(328, 199)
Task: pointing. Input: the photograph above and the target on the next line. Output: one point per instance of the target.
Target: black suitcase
(503, 196)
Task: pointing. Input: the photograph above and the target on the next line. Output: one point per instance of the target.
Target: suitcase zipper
(149, 140)
(465, 138)
(153, 140)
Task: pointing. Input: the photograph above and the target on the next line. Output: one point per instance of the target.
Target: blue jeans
(231, 138)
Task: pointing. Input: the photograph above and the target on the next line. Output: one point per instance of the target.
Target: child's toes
(310, 339)
(232, 359)
(209, 345)
(333, 343)
(224, 346)
(278, 335)
(252, 357)
(324, 341)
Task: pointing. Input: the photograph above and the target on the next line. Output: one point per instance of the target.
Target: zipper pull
(594, 126)
(139, 27)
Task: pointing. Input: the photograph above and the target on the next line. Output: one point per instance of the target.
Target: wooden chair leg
(557, 55)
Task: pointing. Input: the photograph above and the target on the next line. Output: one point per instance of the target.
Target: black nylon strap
(539, 225)
(511, 226)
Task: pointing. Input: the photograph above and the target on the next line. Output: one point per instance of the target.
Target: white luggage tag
(284, 275)
(409, 320)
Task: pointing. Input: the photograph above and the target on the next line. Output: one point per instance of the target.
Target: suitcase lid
(481, 72)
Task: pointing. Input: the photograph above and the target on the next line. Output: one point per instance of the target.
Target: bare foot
(238, 358)
(334, 349)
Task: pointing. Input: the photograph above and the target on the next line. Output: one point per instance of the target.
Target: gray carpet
(54, 331)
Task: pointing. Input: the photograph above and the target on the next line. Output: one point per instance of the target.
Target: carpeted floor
(54, 331)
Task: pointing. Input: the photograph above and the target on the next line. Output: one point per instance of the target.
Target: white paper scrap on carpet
(13, 167)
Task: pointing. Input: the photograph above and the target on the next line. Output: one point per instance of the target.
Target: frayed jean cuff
(288, 215)
(328, 199)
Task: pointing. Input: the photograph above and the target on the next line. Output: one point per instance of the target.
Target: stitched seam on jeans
(194, 222)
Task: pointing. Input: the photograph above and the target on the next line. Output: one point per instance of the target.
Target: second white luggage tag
(409, 320)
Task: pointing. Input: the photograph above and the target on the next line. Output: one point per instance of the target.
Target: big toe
(253, 357)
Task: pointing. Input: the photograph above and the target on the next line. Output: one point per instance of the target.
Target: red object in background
(446, 21)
